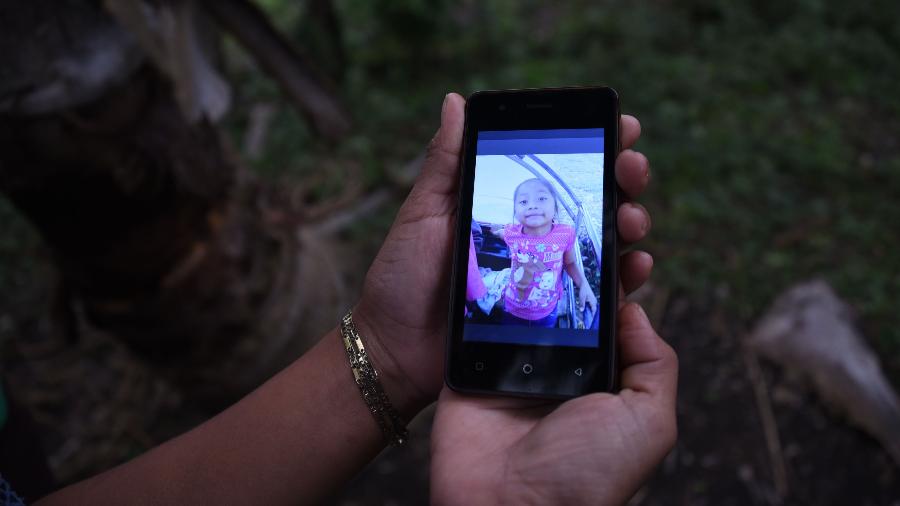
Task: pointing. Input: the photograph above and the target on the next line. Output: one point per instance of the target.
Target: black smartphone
(534, 287)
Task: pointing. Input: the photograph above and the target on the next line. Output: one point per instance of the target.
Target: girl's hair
(546, 185)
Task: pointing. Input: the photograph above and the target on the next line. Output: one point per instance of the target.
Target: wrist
(393, 373)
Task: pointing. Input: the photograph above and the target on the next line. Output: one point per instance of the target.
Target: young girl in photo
(539, 249)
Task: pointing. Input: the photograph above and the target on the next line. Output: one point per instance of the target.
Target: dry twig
(767, 418)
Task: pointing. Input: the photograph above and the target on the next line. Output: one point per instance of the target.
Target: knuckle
(436, 150)
(432, 148)
(439, 158)
(667, 354)
(671, 354)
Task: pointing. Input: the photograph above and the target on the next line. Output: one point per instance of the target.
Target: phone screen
(535, 246)
(533, 295)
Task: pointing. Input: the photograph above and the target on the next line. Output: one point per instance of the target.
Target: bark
(160, 238)
(143, 214)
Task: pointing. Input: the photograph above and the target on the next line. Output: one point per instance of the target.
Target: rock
(809, 330)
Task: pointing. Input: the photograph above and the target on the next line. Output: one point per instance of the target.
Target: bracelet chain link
(366, 378)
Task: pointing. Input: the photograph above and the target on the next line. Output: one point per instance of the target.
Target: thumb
(440, 171)
(648, 363)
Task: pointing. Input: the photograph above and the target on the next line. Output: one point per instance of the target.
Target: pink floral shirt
(535, 283)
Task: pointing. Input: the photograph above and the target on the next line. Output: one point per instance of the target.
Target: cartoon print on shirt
(529, 265)
(519, 275)
(539, 297)
(541, 294)
(537, 264)
(550, 256)
(548, 280)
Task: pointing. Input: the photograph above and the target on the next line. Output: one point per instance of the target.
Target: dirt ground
(94, 405)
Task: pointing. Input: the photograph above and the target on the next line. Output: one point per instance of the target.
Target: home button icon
(527, 368)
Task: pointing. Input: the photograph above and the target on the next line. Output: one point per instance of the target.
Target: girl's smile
(535, 207)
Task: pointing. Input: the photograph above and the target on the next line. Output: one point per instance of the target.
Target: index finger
(629, 130)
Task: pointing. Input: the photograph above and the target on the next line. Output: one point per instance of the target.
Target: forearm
(576, 274)
(293, 440)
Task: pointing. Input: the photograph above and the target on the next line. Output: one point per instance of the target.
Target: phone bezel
(553, 367)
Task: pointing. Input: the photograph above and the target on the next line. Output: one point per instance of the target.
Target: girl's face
(535, 206)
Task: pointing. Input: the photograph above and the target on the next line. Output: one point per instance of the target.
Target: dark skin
(304, 433)
(596, 449)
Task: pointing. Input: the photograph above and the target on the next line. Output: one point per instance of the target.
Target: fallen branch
(767, 418)
(809, 330)
(296, 75)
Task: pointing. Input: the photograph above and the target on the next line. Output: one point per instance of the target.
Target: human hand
(403, 308)
(586, 298)
(595, 449)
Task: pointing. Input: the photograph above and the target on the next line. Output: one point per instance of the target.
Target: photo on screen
(536, 235)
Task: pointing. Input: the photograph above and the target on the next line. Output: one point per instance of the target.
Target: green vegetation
(772, 127)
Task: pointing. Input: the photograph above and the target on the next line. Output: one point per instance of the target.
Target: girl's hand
(497, 229)
(586, 296)
(403, 309)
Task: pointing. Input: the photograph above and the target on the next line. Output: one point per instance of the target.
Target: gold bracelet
(366, 379)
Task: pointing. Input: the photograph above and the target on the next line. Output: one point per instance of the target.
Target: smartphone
(535, 228)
